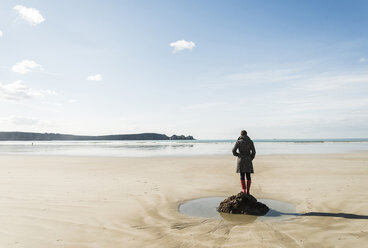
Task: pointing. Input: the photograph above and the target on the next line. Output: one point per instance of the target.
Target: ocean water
(152, 148)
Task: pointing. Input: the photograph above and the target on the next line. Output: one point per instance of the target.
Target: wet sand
(59, 201)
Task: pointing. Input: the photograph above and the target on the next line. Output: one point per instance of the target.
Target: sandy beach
(66, 201)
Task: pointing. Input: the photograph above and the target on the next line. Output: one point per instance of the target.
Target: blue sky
(279, 69)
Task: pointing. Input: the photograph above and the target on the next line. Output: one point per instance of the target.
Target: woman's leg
(242, 181)
(248, 182)
(242, 175)
(248, 176)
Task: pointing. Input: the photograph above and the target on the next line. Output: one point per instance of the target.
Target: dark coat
(245, 151)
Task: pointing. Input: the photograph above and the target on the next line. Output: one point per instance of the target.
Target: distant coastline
(29, 136)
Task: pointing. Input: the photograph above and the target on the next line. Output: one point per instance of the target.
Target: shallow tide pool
(207, 208)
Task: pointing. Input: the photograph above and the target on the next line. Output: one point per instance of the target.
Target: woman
(245, 151)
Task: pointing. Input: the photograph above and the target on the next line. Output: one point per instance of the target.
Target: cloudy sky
(279, 69)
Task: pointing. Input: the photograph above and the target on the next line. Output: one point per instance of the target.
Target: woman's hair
(243, 132)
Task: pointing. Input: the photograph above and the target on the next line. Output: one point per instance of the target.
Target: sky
(278, 69)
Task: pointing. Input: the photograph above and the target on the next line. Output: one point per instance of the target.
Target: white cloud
(52, 103)
(208, 105)
(19, 91)
(181, 45)
(26, 66)
(31, 15)
(332, 82)
(265, 76)
(362, 59)
(21, 120)
(96, 77)
(1, 34)
(24, 121)
(306, 100)
(295, 79)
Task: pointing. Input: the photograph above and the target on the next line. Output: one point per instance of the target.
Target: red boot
(248, 186)
(243, 185)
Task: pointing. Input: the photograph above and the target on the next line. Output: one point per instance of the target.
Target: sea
(160, 148)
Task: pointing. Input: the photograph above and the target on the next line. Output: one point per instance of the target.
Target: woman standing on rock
(246, 154)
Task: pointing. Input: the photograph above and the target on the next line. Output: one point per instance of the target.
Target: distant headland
(27, 136)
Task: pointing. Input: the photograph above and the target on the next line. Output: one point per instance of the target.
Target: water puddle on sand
(206, 208)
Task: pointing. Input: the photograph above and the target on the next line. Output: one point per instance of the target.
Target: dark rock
(242, 204)
(181, 137)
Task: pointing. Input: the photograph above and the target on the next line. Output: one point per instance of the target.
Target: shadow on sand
(274, 213)
(341, 215)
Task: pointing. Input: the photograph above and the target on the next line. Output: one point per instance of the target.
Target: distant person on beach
(245, 151)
